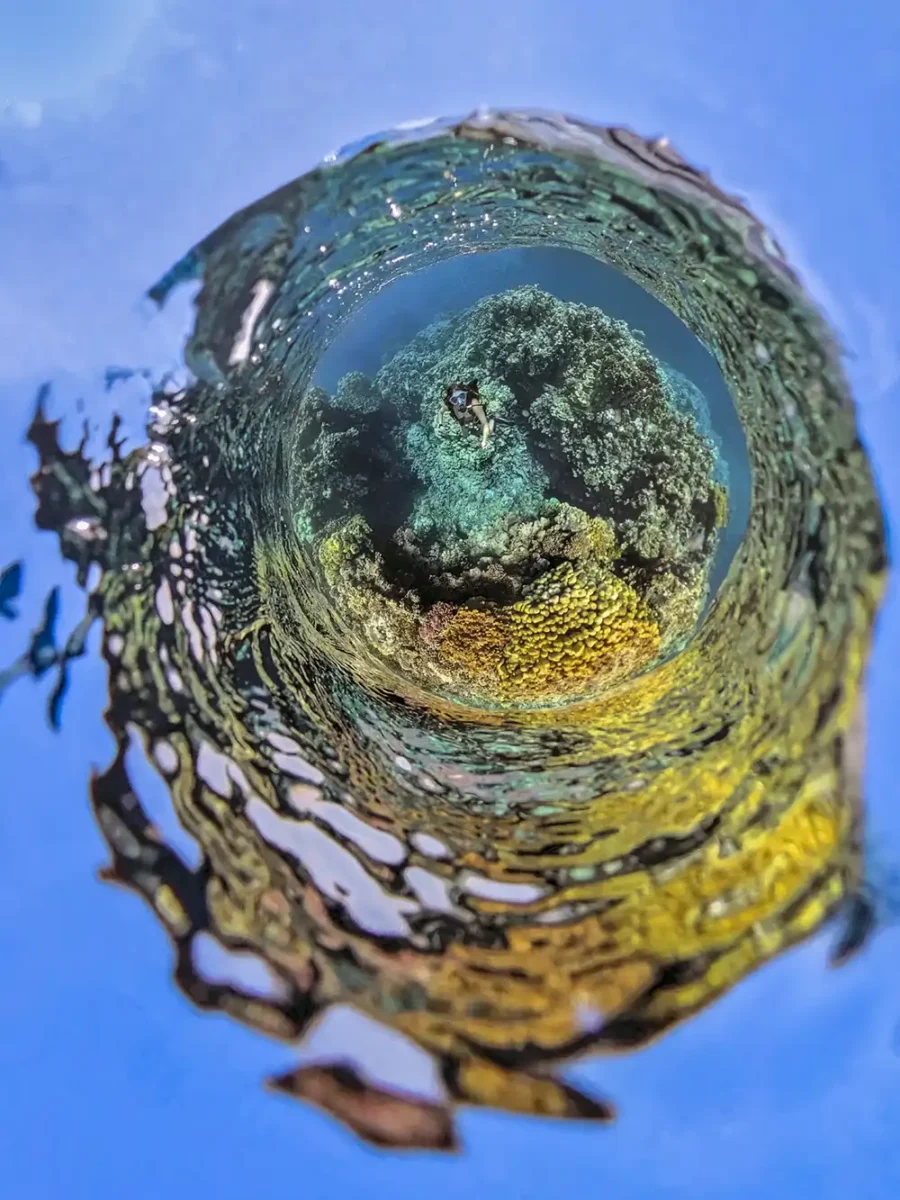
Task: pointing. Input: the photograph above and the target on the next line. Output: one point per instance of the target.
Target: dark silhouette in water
(10, 588)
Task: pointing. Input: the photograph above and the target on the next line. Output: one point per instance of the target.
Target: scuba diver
(465, 406)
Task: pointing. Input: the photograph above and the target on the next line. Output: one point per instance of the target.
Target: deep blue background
(128, 129)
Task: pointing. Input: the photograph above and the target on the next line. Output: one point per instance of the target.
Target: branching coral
(511, 554)
(340, 457)
(585, 412)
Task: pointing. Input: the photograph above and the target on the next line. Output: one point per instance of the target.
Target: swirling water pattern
(506, 889)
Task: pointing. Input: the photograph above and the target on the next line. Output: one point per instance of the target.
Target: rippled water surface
(492, 746)
(373, 781)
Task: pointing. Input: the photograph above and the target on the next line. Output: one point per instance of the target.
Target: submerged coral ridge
(598, 456)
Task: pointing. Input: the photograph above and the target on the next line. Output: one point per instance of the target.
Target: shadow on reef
(500, 889)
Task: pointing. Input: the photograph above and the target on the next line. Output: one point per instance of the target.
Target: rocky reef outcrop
(571, 550)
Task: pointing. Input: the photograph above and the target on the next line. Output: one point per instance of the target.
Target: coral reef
(573, 547)
(476, 642)
(675, 598)
(510, 891)
(575, 624)
(720, 505)
(347, 544)
(355, 393)
(690, 401)
(349, 460)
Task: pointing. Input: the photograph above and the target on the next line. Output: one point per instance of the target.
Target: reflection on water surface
(478, 763)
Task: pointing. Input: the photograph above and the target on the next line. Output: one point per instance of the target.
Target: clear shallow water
(826, 1017)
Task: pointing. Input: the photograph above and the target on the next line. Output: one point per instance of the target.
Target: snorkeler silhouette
(465, 406)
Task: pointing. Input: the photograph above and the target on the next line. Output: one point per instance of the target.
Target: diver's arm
(478, 410)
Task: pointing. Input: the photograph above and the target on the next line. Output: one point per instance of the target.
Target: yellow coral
(475, 641)
(578, 623)
(720, 505)
(343, 544)
(331, 555)
(597, 541)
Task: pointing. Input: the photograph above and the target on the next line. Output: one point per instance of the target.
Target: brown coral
(475, 641)
(436, 621)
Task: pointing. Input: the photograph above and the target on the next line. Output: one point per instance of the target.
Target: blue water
(113, 1085)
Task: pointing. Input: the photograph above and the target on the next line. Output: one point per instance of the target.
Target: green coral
(584, 412)
(511, 553)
